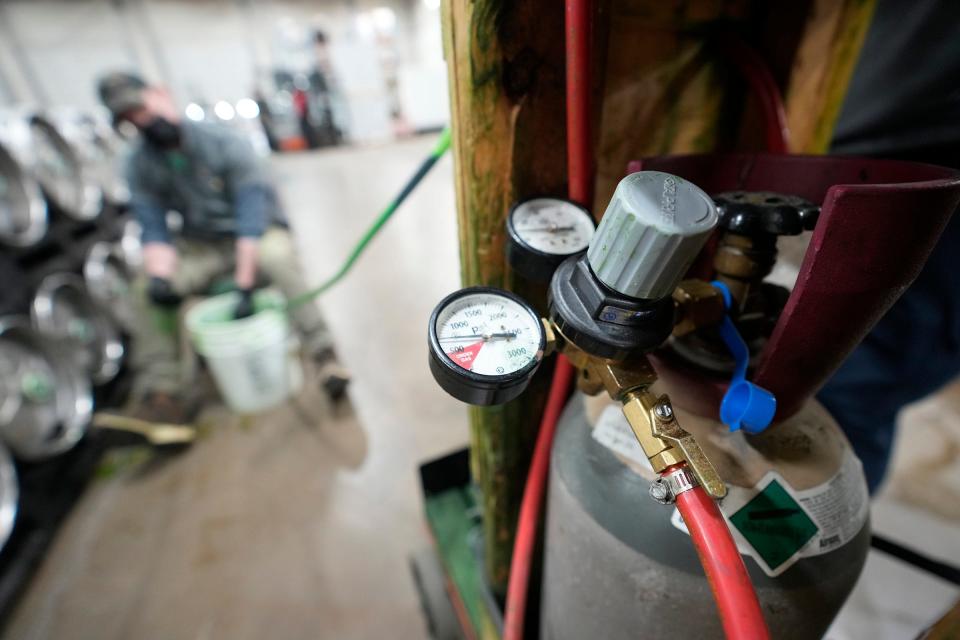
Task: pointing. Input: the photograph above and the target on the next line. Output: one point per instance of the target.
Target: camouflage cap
(121, 92)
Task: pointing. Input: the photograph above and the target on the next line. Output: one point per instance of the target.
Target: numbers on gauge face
(489, 334)
(553, 226)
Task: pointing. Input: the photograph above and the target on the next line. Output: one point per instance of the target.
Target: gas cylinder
(619, 565)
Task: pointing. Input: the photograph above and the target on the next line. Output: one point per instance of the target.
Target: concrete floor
(280, 527)
(298, 525)
(919, 506)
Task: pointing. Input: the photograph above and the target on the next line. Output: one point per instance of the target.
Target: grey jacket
(214, 180)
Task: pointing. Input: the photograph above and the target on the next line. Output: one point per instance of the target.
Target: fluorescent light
(384, 19)
(247, 108)
(364, 25)
(194, 112)
(224, 110)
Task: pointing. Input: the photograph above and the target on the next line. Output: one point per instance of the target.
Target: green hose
(441, 147)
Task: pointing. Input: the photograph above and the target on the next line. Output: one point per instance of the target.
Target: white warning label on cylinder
(841, 506)
(613, 431)
(771, 522)
(778, 525)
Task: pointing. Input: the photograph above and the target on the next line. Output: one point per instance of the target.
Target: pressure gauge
(543, 232)
(485, 345)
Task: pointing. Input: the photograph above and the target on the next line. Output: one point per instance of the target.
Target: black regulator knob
(752, 213)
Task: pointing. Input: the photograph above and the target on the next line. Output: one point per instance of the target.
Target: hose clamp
(667, 487)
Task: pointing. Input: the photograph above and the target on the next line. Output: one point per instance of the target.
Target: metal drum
(109, 279)
(619, 565)
(45, 399)
(23, 211)
(99, 148)
(9, 495)
(60, 169)
(130, 245)
(62, 308)
(110, 150)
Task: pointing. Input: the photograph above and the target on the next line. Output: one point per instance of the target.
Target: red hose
(736, 599)
(580, 189)
(525, 541)
(734, 594)
(764, 87)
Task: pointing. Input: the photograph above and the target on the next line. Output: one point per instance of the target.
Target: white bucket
(254, 360)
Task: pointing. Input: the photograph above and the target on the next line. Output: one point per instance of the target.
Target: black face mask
(161, 133)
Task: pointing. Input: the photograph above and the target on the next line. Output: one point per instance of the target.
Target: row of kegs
(72, 340)
(53, 359)
(65, 160)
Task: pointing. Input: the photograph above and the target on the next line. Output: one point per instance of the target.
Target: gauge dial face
(489, 334)
(553, 226)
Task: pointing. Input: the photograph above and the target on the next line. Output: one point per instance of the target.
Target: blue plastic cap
(724, 293)
(747, 406)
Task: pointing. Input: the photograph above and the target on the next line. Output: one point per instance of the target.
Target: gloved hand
(245, 306)
(161, 292)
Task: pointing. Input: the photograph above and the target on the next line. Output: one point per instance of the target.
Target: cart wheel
(430, 580)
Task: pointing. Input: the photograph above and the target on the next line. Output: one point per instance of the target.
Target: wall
(52, 51)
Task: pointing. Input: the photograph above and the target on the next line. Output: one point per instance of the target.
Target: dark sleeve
(249, 186)
(146, 203)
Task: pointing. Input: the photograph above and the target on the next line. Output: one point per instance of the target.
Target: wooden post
(506, 71)
(665, 90)
(822, 67)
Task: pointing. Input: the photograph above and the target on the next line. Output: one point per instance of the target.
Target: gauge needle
(551, 229)
(486, 337)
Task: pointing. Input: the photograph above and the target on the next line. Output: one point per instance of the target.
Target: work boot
(334, 378)
(164, 408)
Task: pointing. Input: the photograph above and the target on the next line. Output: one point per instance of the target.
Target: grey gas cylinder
(618, 565)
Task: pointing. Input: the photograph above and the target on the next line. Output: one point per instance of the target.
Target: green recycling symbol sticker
(774, 524)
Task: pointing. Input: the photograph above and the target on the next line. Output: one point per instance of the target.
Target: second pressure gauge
(485, 345)
(543, 232)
